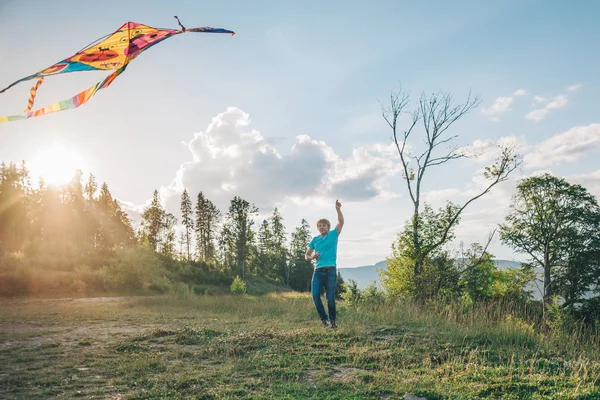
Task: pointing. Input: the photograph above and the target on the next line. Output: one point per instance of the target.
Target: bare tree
(437, 113)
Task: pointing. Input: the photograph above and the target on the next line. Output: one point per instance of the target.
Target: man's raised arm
(338, 208)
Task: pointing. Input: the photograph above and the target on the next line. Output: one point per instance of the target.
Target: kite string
(95, 41)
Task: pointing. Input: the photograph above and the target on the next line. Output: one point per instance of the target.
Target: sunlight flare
(56, 165)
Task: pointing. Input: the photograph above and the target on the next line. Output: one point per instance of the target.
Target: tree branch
(398, 101)
(500, 171)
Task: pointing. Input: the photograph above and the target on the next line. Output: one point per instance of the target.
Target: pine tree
(265, 238)
(301, 270)
(263, 260)
(77, 214)
(152, 222)
(239, 217)
(186, 219)
(14, 224)
(226, 243)
(167, 236)
(278, 249)
(114, 226)
(207, 219)
(90, 188)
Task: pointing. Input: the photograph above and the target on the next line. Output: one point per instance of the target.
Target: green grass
(223, 347)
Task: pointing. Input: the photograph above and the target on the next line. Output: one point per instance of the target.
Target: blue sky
(293, 99)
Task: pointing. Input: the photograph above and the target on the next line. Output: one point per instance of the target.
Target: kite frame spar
(112, 52)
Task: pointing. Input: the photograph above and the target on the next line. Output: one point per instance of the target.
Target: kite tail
(73, 102)
(32, 94)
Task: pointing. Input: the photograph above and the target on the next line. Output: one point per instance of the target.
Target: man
(323, 248)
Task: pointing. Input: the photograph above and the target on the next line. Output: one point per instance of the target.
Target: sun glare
(56, 165)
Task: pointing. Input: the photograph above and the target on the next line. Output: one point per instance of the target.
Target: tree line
(230, 239)
(81, 223)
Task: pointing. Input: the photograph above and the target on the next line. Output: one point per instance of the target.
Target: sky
(288, 112)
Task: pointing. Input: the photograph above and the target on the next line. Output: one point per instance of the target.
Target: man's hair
(325, 221)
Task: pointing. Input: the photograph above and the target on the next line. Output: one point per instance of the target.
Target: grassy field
(223, 347)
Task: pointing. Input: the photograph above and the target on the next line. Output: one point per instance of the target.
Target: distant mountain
(368, 274)
(506, 264)
(363, 275)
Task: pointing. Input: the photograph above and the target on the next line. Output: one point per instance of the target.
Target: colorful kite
(114, 52)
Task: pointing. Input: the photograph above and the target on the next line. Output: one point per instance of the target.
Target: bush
(352, 293)
(161, 285)
(180, 291)
(373, 294)
(238, 286)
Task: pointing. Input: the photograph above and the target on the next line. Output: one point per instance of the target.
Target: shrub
(180, 291)
(238, 286)
(161, 284)
(373, 294)
(352, 293)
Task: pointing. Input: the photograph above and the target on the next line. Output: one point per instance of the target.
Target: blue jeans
(328, 279)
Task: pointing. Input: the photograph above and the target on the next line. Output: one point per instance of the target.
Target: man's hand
(310, 255)
(338, 205)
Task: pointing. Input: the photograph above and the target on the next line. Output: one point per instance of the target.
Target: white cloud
(230, 159)
(520, 92)
(488, 150)
(557, 102)
(593, 178)
(443, 194)
(589, 181)
(564, 147)
(480, 150)
(500, 106)
(572, 88)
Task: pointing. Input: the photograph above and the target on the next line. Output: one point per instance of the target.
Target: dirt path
(95, 332)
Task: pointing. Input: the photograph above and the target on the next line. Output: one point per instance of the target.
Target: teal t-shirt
(326, 246)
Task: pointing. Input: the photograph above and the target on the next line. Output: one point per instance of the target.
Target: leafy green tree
(576, 279)
(186, 219)
(436, 114)
(477, 271)
(556, 224)
(400, 278)
(511, 285)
